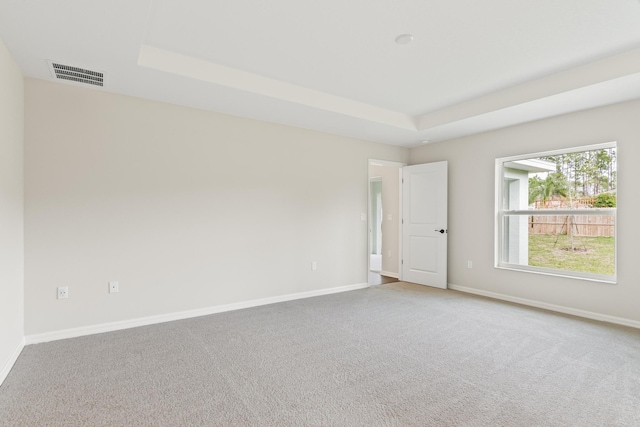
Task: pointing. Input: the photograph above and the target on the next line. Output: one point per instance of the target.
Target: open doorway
(384, 221)
(375, 236)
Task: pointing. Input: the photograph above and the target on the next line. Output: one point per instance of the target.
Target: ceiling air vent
(76, 74)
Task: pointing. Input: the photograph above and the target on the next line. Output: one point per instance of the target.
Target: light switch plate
(113, 287)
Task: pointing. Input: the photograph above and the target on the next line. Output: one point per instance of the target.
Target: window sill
(612, 280)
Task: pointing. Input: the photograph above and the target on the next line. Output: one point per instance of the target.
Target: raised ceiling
(334, 66)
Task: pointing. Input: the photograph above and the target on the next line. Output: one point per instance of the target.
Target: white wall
(390, 206)
(11, 210)
(185, 208)
(471, 207)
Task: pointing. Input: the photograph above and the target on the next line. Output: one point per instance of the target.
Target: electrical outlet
(314, 265)
(469, 264)
(63, 292)
(113, 287)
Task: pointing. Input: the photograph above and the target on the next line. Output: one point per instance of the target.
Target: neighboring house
(516, 197)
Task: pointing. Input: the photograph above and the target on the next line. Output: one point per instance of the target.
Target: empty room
(297, 213)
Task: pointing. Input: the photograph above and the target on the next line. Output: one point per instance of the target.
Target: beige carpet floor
(391, 355)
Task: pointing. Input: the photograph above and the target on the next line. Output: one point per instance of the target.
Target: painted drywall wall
(11, 209)
(471, 207)
(390, 215)
(185, 208)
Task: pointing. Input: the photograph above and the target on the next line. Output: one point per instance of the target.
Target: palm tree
(554, 185)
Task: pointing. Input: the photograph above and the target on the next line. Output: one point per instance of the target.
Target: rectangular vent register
(76, 74)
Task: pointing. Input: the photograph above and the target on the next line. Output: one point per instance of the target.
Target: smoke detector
(75, 74)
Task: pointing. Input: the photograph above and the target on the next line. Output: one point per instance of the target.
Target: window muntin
(556, 212)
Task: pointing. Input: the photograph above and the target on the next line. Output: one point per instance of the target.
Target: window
(556, 212)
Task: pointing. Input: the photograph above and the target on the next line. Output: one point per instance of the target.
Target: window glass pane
(582, 180)
(581, 243)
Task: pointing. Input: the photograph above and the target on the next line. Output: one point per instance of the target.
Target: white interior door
(424, 225)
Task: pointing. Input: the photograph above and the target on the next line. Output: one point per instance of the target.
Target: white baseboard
(151, 320)
(11, 361)
(389, 274)
(553, 307)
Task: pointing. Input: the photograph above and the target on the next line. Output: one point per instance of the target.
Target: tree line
(584, 174)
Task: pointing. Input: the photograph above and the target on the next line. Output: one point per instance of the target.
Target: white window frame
(500, 214)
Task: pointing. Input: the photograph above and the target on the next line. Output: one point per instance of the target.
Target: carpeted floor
(391, 355)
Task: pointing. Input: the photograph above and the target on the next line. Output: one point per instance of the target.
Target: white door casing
(424, 225)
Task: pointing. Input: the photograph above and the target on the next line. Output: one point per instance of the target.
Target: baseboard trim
(152, 320)
(552, 307)
(12, 360)
(389, 274)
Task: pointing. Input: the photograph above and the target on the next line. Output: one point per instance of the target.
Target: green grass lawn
(593, 254)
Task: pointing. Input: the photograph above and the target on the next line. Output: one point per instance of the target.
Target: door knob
(441, 231)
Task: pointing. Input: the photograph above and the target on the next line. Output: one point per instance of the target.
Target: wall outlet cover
(63, 292)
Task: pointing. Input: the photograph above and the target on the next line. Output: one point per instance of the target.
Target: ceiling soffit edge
(187, 66)
(604, 70)
(594, 73)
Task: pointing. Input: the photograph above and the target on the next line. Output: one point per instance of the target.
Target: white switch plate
(63, 292)
(113, 287)
(389, 253)
(469, 264)
(389, 217)
(314, 265)
(363, 217)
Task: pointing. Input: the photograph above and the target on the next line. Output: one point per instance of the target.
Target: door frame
(399, 166)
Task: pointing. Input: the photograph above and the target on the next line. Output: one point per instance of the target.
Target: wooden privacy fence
(577, 203)
(584, 225)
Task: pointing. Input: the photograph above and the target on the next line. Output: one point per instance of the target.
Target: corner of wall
(11, 211)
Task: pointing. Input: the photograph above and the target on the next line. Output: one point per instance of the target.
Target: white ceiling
(333, 65)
